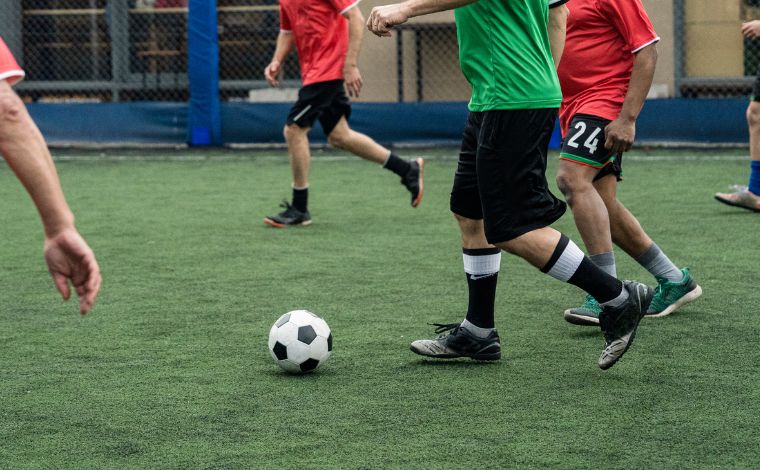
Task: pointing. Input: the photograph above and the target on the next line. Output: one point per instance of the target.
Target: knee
(753, 116)
(472, 232)
(291, 131)
(338, 139)
(570, 185)
(11, 107)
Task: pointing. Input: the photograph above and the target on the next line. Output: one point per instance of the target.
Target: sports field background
(172, 370)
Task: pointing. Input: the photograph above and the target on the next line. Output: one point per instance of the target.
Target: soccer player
(327, 35)
(605, 73)
(500, 197)
(69, 258)
(748, 197)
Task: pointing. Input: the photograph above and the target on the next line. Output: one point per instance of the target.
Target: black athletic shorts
(326, 101)
(501, 175)
(756, 86)
(584, 144)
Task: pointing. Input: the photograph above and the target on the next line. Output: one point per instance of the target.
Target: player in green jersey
(500, 197)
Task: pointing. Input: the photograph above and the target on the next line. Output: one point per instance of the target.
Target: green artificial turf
(172, 370)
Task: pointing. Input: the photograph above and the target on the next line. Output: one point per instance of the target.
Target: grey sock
(606, 262)
(659, 265)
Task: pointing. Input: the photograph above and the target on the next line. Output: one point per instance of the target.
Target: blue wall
(697, 121)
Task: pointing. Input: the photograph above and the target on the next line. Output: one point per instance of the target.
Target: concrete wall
(713, 40)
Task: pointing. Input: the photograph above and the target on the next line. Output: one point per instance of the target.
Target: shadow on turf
(453, 363)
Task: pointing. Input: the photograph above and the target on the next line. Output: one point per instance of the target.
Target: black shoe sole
(493, 356)
(421, 181)
(580, 320)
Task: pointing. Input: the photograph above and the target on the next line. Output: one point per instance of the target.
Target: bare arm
(557, 31)
(285, 43)
(621, 132)
(69, 258)
(351, 68)
(384, 18)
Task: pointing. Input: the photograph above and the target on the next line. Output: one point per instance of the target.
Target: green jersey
(504, 53)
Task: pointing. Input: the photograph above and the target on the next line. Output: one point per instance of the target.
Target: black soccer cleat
(414, 180)
(289, 217)
(619, 324)
(458, 342)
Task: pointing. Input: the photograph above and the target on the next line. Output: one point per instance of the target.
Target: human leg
(675, 287)
(341, 136)
(749, 197)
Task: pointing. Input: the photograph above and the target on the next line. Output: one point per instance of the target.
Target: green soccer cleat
(669, 296)
(587, 314)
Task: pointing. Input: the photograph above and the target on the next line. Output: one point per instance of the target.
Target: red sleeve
(631, 21)
(342, 6)
(284, 20)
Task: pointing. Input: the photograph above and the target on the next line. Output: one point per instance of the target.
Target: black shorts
(756, 86)
(326, 101)
(584, 144)
(501, 175)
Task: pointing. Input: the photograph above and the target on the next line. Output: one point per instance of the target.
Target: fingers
(377, 25)
(88, 290)
(62, 284)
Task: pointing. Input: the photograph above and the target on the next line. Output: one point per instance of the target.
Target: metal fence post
(678, 46)
(118, 28)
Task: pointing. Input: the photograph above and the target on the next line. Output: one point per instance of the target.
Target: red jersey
(602, 39)
(321, 34)
(9, 69)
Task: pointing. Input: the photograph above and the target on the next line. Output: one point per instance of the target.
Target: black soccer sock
(569, 264)
(397, 165)
(481, 266)
(301, 198)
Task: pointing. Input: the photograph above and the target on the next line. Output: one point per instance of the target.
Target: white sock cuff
(483, 264)
(567, 263)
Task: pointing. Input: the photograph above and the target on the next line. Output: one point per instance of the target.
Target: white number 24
(590, 143)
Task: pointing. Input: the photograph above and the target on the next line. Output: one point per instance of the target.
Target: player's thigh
(584, 146)
(338, 110)
(511, 169)
(312, 102)
(465, 198)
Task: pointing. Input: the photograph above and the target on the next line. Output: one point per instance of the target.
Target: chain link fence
(712, 58)
(136, 50)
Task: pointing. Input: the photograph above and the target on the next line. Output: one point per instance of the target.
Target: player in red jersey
(69, 258)
(605, 73)
(327, 35)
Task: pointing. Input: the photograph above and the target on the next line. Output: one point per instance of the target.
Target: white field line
(342, 158)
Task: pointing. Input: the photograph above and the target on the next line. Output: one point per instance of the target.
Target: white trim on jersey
(18, 74)
(350, 7)
(657, 39)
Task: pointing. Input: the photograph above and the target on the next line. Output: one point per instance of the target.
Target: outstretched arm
(285, 43)
(384, 18)
(558, 31)
(69, 258)
(621, 132)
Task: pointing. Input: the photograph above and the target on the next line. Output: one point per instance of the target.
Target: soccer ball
(300, 341)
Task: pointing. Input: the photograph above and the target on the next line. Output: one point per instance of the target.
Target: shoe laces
(289, 208)
(446, 328)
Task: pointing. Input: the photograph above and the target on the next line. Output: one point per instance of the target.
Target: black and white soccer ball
(300, 341)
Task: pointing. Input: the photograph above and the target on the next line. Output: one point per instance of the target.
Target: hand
(70, 260)
(353, 80)
(751, 29)
(272, 72)
(382, 19)
(620, 134)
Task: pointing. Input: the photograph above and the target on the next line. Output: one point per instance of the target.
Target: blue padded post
(204, 124)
